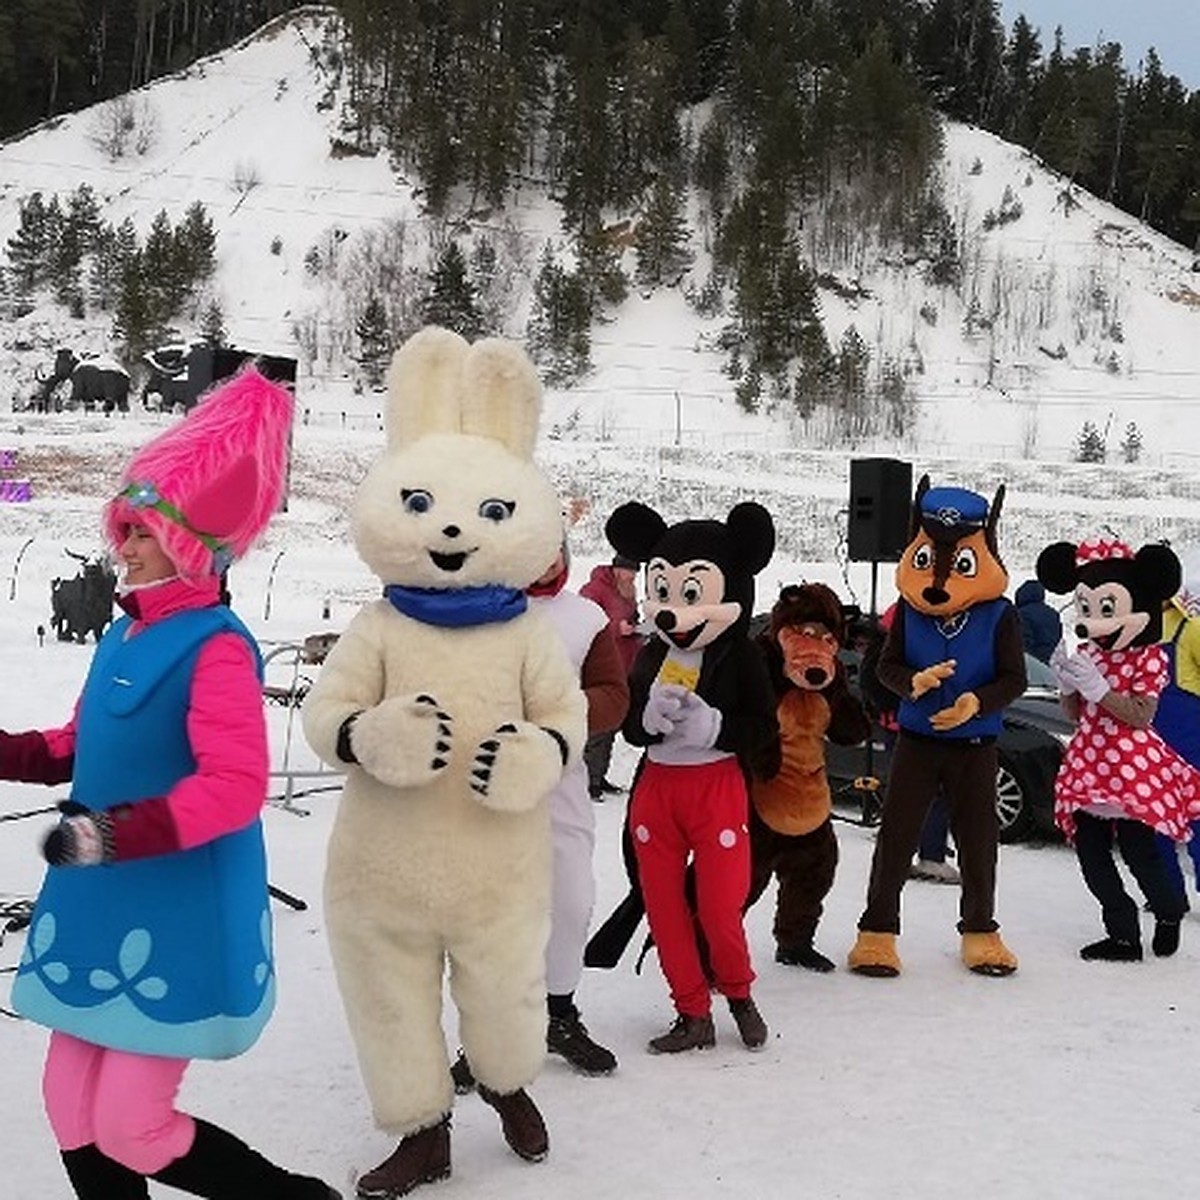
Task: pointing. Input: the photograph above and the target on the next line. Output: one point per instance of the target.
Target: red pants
(699, 811)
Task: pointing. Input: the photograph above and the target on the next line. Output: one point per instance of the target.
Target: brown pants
(804, 864)
(966, 774)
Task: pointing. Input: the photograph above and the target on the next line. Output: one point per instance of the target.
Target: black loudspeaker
(880, 503)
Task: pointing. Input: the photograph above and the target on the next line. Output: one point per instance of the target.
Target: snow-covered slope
(1070, 312)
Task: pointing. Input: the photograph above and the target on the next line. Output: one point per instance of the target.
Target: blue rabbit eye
(497, 510)
(416, 500)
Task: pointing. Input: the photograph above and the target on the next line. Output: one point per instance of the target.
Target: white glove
(663, 708)
(1058, 664)
(697, 725)
(1086, 678)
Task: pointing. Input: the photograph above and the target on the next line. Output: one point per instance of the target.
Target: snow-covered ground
(1067, 1080)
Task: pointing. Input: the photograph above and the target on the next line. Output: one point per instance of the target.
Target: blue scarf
(457, 607)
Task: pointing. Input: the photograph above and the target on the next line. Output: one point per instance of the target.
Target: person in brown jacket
(613, 586)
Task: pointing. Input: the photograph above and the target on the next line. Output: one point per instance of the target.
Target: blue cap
(953, 506)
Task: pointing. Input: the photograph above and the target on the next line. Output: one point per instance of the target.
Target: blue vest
(969, 638)
(168, 955)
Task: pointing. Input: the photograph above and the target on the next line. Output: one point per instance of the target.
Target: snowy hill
(1068, 311)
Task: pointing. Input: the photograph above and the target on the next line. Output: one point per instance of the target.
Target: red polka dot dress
(1119, 771)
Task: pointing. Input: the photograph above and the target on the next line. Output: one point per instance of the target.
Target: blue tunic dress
(169, 955)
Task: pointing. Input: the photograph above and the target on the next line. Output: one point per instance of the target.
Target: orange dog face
(951, 562)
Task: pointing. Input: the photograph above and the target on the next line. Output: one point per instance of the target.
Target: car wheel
(1014, 807)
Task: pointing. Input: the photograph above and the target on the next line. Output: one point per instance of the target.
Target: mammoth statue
(95, 382)
(100, 382)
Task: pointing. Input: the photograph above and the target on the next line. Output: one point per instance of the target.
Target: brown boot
(749, 1022)
(421, 1157)
(686, 1033)
(874, 954)
(986, 954)
(524, 1129)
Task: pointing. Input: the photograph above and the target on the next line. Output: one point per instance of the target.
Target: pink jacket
(601, 588)
(226, 727)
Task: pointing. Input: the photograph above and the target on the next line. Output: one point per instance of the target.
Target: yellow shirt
(1187, 649)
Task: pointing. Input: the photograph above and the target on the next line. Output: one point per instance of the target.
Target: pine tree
(1090, 447)
(28, 247)
(663, 253)
(711, 168)
(483, 271)
(1131, 443)
(450, 300)
(558, 333)
(195, 246)
(853, 360)
(212, 324)
(600, 275)
(135, 320)
(374, 342)
(162, 290)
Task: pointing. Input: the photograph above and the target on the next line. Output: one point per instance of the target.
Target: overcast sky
(1172, 27)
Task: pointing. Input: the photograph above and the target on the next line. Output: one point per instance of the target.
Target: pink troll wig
(207, 487)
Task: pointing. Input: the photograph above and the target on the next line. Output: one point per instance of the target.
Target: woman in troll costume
(150, 944)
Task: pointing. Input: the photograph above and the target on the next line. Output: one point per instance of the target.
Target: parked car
(1036, 731)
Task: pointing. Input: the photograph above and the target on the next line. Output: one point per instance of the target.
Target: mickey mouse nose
(665, 620)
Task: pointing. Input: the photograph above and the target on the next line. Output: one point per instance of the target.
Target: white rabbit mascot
(454, 711)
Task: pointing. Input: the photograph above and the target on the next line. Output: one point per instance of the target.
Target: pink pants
(701, 811)
(124, 1103)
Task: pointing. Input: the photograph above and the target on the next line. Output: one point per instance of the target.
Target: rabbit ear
(424, 386)
(501, 395)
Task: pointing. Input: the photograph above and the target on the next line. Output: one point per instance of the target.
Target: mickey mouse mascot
(954, 657)
(1119, 781)
(702, 706)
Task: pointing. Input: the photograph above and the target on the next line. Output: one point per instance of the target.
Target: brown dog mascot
(791, 828)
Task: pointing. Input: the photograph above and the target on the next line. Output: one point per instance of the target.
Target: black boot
(567, 1036)
(803, 954)
(1166, 938)
(95, 1176)
(524, 1129)
(1111, 949)
(220, 1166)
(461, 1075)
(421, 1157)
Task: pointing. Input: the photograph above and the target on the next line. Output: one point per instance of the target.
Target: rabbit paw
(405, 741)
(515, 767)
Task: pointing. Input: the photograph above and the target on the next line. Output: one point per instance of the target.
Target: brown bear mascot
(791, 826)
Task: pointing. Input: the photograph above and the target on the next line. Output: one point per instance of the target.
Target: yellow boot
(986, 954)
(874, 954)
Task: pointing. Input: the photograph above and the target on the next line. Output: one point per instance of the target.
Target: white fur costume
(441, 849)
